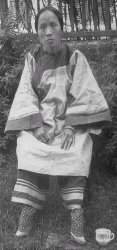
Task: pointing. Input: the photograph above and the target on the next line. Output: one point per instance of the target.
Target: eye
(53, 24)
(42, 26)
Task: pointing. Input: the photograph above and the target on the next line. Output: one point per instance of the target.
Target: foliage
(104, 66)
(109, 67)
(105, 71)
(11, 64)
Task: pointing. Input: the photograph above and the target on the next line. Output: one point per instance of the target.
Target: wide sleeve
(86, 102)
(24, 113)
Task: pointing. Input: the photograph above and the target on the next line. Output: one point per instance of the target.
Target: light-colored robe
(55, 92)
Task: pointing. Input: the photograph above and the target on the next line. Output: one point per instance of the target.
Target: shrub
(10, 71)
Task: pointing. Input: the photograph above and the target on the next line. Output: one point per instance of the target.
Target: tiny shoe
(77, 220)
(20, 234)
(25, 222)
(79, 240)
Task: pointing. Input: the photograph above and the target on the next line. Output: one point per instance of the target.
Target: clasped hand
(68, 137)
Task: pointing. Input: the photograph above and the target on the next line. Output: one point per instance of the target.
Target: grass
(100, 206)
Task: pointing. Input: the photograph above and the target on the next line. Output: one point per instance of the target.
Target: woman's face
(49, 31)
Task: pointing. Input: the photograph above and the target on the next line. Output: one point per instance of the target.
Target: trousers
(31, 189)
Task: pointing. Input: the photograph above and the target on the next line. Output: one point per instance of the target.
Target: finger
(46, 137)
(68, 143)
(42, 139)
(64, 141)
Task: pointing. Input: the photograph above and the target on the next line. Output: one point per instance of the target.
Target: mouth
(50, 40)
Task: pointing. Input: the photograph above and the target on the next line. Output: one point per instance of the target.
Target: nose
(48, 31)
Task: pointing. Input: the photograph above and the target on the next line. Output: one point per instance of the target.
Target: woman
(57, 105)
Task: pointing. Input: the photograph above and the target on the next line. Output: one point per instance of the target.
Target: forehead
(48, 16)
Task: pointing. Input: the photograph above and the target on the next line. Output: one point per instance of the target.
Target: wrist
(70, 127)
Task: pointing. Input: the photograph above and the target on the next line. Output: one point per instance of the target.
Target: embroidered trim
(25, 123)
(26, 201)
(76, 119)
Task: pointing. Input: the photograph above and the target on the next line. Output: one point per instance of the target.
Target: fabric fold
(88, 104)
(24, 113)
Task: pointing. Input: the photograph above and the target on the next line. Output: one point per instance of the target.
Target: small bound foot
(25, 222)
(79, 240)
(20, 234)
(77, 233)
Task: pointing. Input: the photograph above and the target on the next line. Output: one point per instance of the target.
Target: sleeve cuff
(71, 127)
(24, 123)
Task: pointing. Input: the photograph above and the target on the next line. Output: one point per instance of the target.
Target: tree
(106, 13)
(28, 13)
(95, 14)
(71, 14)
(114, 11)
(81, 13)
(38, 6)
(3, 11)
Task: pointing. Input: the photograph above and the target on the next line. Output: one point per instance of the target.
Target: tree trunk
(65, 15)
(83, 14)
(115, 12)
(106, 14)
(60, 6)
(17, 12)
(95, 14)
(3, 12)
(27, 16)
(71, 14)
(89, 13)
(103, 14)
(17, 6)
(76, 13)
(38, 5)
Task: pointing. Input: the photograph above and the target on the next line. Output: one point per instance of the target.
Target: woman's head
(49, 26)
(55, 11)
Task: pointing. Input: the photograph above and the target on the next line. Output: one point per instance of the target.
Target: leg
(30, 190)
(72, 192)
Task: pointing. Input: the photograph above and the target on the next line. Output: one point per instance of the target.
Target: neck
(53, 50)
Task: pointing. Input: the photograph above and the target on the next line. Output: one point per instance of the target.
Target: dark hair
(52, 9)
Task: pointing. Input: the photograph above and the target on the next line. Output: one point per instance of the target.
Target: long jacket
(56, 91)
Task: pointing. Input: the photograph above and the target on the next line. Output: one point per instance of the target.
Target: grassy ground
(51, 227)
